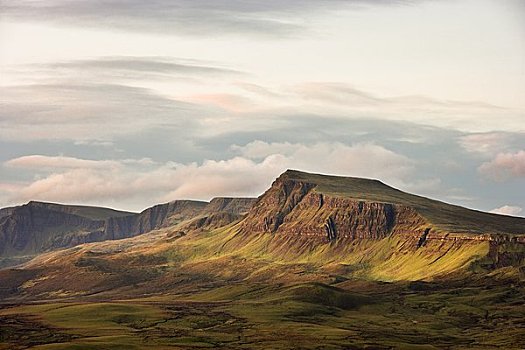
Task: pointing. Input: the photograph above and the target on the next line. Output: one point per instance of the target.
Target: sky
(128, 103)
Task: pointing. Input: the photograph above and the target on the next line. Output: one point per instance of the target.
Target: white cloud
(59, 162)
(40, 162)
(363, 159)
(194, 17)
(504, 166)
(143, 182)
(484, 143)
(507, 210)
(260, 149)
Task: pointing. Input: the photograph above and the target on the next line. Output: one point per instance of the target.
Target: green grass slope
(461, 314)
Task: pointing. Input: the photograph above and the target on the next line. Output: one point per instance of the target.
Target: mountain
(37, 227)
(382, 232)
(315, 262)
(337, 224)
(348, 207)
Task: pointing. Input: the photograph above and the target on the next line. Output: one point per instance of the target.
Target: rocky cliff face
(37, 227)
(296, 207)
(292, 207)
(270, 210)
(32, 228)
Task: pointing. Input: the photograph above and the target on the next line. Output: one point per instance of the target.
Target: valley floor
(352, 314)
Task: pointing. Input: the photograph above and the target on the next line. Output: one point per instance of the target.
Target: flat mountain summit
(315, 259)
(445, 216)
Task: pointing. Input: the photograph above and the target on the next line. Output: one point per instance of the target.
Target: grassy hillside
(351, 315)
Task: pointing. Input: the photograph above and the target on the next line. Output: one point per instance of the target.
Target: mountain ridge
(37, 226)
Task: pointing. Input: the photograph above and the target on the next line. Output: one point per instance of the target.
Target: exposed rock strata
(296, 208)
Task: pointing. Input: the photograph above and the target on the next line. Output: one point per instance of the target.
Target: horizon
(252, 197)
(129, 106)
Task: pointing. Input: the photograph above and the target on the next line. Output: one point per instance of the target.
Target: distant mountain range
(38, 227)
(302, 216)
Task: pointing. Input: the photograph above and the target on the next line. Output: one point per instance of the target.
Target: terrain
(37, 227)
(316, 262)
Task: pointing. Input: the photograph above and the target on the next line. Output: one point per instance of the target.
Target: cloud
(88, 111)
(139, 182)
(484, 143)
(128, 68)
(342, 99)
(336, 93)
(44, 162)
(41, 162)
(195, 17)
(489, 144)
(504, 166)
(364, 159)
(229, 102)
(342, 93)
(105, 105)
(144, 64)
(96, 143)
(507, 210)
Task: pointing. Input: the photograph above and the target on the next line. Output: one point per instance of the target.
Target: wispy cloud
(194, 17)
(87, 111)
(344, 99)
(47, 163)
(143, 67)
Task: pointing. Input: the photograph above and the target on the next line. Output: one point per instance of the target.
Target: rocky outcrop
(271, 209)
(6, 212)
(423, 238)
(168, 214)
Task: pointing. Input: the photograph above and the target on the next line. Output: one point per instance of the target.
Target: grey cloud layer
(184, 16)
(116, 69)
(87, 111)
(166, 65)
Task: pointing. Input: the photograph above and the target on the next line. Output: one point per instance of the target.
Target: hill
(315, 262)
(38, 227)
(445, 216)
